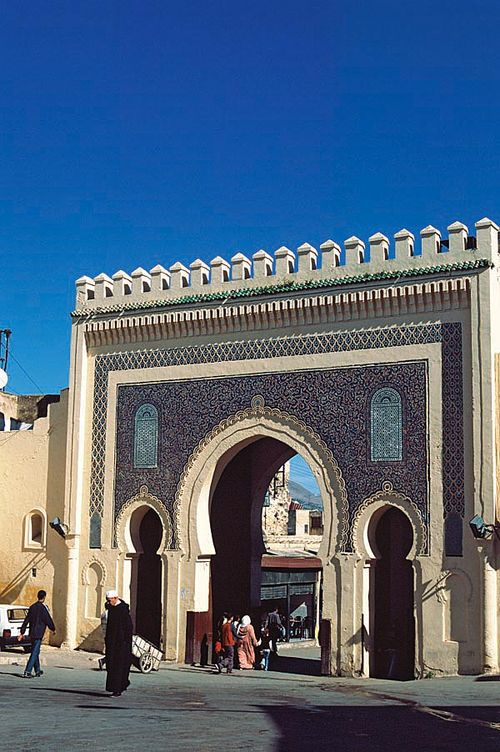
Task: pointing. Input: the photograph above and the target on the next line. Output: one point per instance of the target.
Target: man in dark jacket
(39, 619)
(274, 627)
(118, 642)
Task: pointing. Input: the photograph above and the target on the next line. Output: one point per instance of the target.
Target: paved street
(192, 708)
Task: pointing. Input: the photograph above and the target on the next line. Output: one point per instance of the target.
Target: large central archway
(236, 528)
(219, 505)
(208, 461)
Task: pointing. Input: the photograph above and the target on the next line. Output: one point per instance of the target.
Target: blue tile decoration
(309, 395)
(146, 437)
(333, 403)
(386, 429)
(453, 529)
(95, 531)
(453, 436)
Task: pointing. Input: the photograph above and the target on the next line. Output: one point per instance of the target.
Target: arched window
(146, 437)
(386, 426)
(34, 530)
(93, 591)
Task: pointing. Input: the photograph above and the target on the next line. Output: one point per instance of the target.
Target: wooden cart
(147, 656)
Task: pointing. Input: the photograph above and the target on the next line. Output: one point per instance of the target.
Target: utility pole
(4, 350)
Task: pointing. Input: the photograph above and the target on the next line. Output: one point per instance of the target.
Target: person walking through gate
(264, 650)
(39, 619)
(246, 644)
(228, 642)
(274, 627)
(118, 642)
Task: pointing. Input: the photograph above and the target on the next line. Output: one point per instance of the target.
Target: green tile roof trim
(283, 287)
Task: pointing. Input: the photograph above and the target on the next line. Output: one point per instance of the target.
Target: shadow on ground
(292, 665)
(378, 729)
(70, 691)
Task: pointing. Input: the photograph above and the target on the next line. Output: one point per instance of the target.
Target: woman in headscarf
(246, 644)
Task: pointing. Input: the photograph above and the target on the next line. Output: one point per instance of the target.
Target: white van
(11, 619)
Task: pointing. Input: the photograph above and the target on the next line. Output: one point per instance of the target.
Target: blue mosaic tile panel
(334, 403)
(95, 531)
(146, 437)
(449, 335)
(386, 426)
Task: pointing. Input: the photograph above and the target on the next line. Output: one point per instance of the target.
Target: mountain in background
(305, 498)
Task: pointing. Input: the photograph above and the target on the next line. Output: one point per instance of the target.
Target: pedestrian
(228, 642)
(118, 642)
(38, 618)
(235, 626)
(219, 653)
(221, 621)
(274, 626)
(246, 644)
(264, 650)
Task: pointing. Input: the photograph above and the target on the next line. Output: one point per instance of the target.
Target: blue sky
(137, 133)
(301, 473)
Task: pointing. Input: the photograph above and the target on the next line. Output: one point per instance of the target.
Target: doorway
(393, 654)
(149, 579)
(246, 575)
(236, 527)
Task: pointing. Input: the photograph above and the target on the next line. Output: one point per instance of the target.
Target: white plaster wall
(32, 478)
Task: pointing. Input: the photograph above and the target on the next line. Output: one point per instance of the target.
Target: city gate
(191, 386)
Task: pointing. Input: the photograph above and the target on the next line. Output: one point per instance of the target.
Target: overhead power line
(39, 388)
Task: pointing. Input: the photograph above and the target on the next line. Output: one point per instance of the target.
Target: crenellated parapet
(285, 268)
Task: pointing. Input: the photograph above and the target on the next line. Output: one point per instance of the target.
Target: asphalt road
(287, 710)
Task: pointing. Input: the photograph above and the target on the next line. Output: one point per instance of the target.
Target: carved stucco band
(311, 437)
(102, 567)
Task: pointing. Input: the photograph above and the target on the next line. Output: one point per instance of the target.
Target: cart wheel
(146, 663)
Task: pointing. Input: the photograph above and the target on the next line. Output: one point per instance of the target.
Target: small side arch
(454, 593)
(373, 508)
(127, 522)
(442, 585)
(98, 566)
(93, 579)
